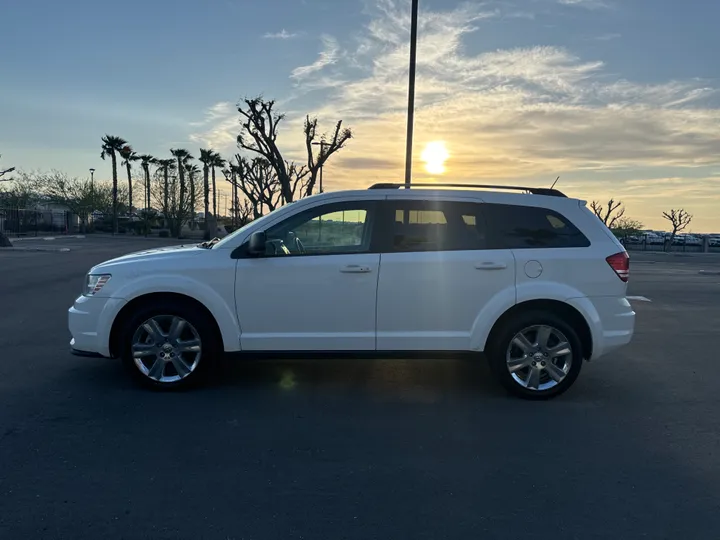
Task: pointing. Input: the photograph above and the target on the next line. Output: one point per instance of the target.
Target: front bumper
(90, 320)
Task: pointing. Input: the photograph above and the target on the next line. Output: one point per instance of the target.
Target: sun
(435, 155)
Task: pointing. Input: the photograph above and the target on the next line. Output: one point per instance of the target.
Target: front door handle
(490, 265)
(355, 269)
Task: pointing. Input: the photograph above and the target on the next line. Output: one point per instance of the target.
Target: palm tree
(192, 171)
(183, 157)
(216, 161)
(205, 159)
(165, 165)
(111, 145)
(145, 161)
(129, 155)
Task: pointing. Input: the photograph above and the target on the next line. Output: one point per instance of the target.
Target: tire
(527, 368)
(186, 360)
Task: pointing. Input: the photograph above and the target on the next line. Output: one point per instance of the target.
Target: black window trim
(371, 206)
(387, 222)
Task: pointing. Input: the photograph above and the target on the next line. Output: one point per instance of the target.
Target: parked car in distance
(531, 278)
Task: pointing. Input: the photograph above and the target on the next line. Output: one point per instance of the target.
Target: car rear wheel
(168, 346)
(536, 355)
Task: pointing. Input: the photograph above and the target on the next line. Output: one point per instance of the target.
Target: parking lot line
(639, 298)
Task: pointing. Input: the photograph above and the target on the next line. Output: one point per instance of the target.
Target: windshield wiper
(208, 244)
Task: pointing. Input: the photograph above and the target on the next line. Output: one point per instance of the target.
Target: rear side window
(435, 226)
(517, 227)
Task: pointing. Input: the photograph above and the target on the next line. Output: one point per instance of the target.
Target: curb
(46, 250)
(46, 238)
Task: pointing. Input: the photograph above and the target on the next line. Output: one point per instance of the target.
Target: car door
(315, 288)
(436, 274)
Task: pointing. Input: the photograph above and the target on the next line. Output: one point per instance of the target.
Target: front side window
(329, 229)
(516, 227)
(436, 226)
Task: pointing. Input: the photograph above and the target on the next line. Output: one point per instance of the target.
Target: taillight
(620, 262)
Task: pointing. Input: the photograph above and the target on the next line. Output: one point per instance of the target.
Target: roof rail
(551, 192)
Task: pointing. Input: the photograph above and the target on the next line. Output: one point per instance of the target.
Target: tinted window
(515, 227)
(436, 226)
(325, 230)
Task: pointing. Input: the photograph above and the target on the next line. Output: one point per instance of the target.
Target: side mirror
(256, 244)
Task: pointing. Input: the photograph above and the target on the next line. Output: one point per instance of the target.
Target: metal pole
(146, 196)
(411, 94)
(92, 197)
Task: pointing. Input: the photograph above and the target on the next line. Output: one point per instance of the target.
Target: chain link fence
(681, 244)
(19, 222)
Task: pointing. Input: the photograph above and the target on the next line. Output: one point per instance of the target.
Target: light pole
(92, 185)
(321, 144)
(411, 94)
(92, 194)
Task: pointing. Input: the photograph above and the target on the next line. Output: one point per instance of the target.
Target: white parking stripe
(639, 298)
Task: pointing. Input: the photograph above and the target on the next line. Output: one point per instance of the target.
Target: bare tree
(169, 195)
(679, 220)
(258, 181)
(6, 171)
(610, 214)
(79, 196)
(259, 135)
(4, 240)
(18, 192)
(316, 162)
(165, 165)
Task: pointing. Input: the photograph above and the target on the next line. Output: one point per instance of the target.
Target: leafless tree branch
(610, 214)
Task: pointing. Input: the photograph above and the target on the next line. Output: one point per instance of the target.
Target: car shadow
(422, 379)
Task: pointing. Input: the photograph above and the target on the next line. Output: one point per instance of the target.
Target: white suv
(531, 277)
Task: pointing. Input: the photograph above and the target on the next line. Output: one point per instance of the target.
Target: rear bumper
(611, 321)
(90, 320)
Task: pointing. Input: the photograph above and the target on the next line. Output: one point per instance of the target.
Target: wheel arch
(153, 298)
(556, 307)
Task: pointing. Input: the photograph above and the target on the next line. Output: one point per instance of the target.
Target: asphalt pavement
(358, 449)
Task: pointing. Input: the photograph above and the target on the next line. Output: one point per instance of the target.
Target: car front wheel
(168, 346)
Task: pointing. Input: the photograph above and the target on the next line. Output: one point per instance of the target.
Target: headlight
(95, 282)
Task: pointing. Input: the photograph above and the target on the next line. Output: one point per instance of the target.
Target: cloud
(283, 34)
(219, 128)
(328, 56)
(607, 37)
(365, 163)
(588, 4)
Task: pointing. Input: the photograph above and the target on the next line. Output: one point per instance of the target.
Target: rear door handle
(490, 265)
(355, 269)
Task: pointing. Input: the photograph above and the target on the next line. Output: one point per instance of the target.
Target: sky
(619, 98)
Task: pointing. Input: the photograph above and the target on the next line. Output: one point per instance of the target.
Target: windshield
(234, 234)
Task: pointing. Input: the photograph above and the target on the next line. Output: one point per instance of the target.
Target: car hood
(162, 254)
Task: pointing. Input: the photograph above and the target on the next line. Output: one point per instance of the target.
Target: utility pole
(322, 145)
(411, 94)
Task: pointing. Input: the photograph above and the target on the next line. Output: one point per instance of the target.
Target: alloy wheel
(166, 348)
(539, 357)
